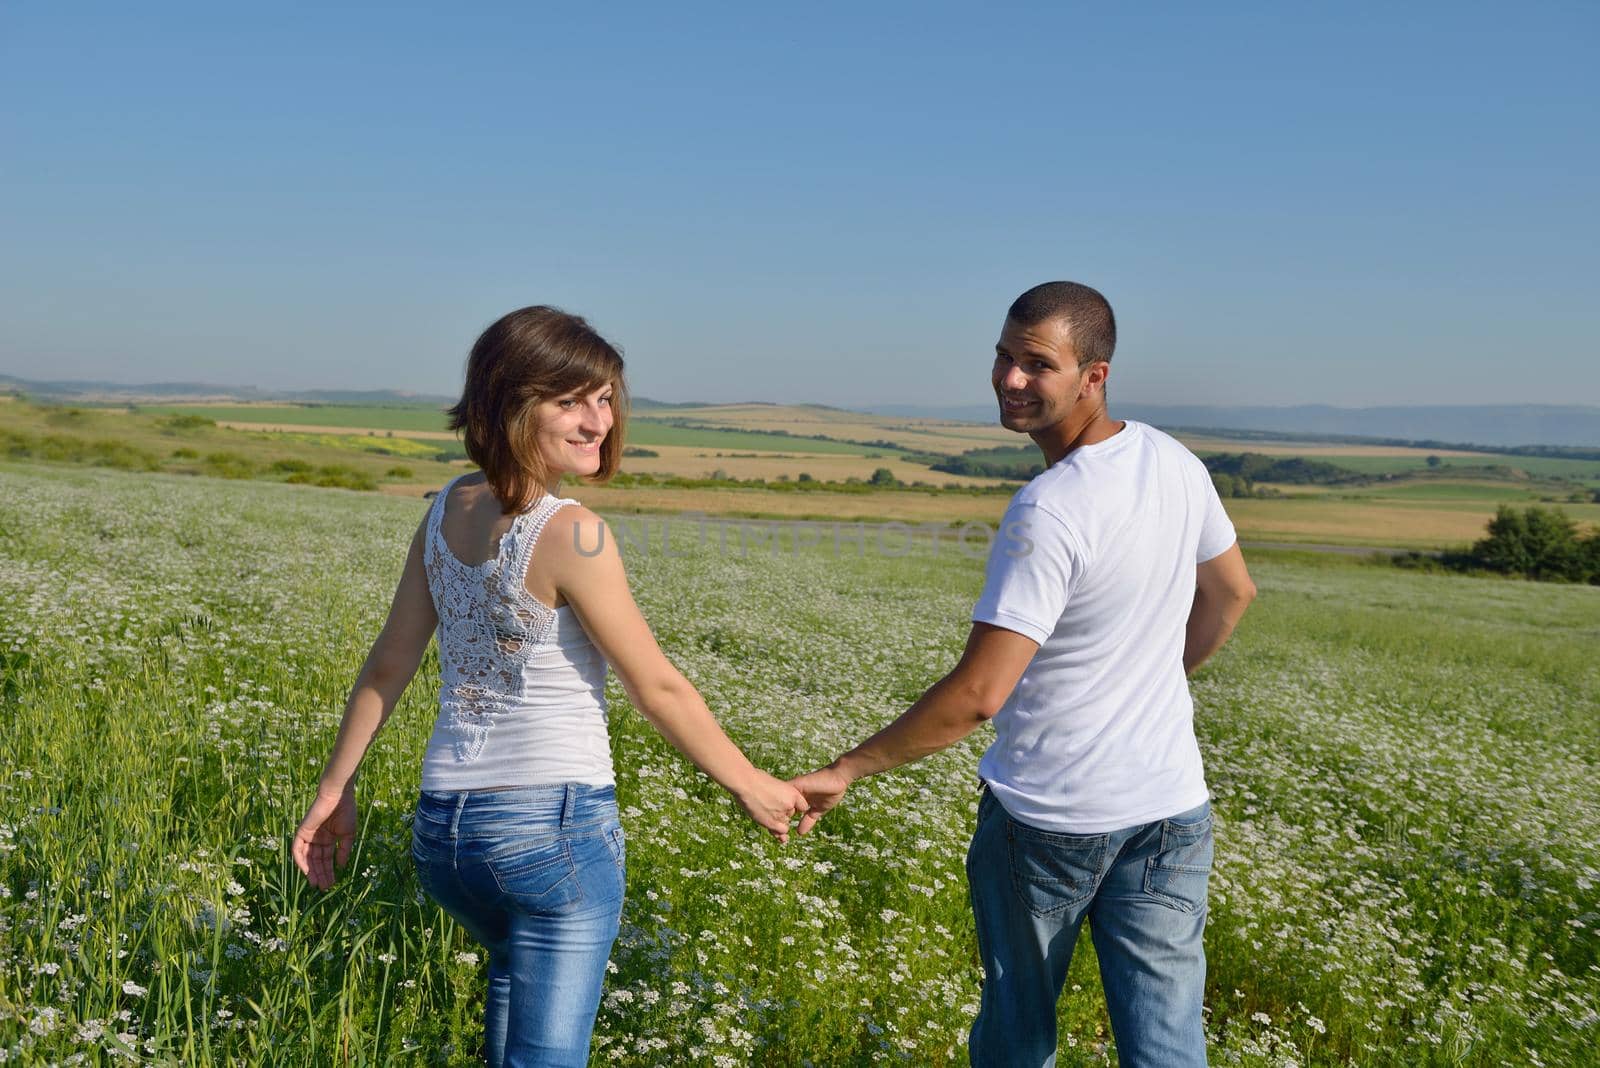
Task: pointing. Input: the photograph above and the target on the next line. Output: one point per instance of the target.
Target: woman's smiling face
(571, 428)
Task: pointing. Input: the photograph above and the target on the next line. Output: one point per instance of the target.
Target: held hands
(323, 841)
(822, 789)
(772, 803)
(325, 837)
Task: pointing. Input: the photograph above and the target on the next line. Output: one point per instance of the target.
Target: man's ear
(1094, 380)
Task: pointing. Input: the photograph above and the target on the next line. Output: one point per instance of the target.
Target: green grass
(642, 430)
(1429, 490)
(1403, 770)
(367, 417)
(654, 432)
(193, 444)
(1586, 471)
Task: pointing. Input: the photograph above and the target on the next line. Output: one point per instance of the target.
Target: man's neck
(1074, 432)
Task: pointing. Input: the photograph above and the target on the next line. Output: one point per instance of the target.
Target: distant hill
(646, 403)
(89, 392)
(1497, 425)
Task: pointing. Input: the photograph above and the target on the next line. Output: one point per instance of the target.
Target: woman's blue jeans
(1143, 891)
(535, 874)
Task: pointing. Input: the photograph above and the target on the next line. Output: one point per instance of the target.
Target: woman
(516, 832)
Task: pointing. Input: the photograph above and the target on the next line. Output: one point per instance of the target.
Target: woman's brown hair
(528, 356)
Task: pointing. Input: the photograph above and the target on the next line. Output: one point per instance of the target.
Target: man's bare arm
(954, 707)
(1223, 591)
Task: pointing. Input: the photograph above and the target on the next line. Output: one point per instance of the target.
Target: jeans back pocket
(433, 858)
(1051, 872)
(536, 875)
(1178, 874)
(619, 848)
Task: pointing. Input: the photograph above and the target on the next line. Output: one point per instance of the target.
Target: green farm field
(184, 443)
(1431, 511)
(1443, 489)
(793, 429)
(642, 429)
(1587, 471)
(645, 431)
(354, 416)
(1379, 521)
(1403, 769)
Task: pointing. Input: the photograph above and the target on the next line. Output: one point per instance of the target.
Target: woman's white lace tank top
(522, 689)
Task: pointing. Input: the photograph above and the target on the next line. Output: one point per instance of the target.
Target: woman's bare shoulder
(573, 529)
(470, 487)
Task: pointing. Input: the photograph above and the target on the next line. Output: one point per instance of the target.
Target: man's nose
(1014, 378)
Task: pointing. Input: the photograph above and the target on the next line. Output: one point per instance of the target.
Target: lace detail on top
(489, 624)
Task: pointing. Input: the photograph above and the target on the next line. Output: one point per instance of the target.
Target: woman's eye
(568, 402)
(606, 401)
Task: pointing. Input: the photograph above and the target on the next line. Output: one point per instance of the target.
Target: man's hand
(325, 836)
(771, 802)
(954, 707)
(823, 789)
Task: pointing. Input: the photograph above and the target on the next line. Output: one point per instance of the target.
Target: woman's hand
(325, 837)
(823, 789)
(770, 802)
(322, 844)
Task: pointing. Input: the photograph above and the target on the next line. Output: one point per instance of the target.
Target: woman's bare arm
(596, 585)
(324, 837)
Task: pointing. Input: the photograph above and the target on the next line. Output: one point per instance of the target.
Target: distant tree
(1230, 485)
(805, 476)
(1539, 543)
(1434, 461)
(1012, 462)
(1506, 546)
(884, 477)
(1590, 551)
(1255, 467)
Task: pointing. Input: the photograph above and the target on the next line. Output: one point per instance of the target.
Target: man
(1116, 574)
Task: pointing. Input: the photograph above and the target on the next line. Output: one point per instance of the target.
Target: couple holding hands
(1094, 802)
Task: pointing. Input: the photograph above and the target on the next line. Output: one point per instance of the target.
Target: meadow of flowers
(1403, 768)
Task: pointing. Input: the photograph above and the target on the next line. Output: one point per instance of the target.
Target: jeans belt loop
(569, 804)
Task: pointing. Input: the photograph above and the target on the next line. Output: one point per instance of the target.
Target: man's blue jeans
(535, 874)
(1143, 891)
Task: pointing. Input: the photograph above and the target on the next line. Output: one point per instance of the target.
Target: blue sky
(1344, 204)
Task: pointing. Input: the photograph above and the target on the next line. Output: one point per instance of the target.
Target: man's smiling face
(1036, 376)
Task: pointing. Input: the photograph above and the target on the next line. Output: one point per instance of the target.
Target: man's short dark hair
(1088, 316)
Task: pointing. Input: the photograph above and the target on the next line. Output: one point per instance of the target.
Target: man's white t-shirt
(1096, 562)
